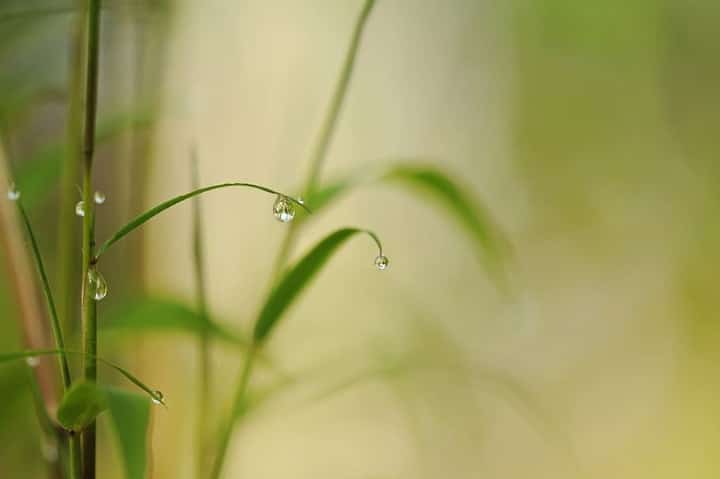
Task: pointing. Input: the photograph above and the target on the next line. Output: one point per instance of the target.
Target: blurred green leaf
(130, 417)
(299, 276)
(80, 405)
(436, 186)
(39, 175)
(147, 314)
(152, 212)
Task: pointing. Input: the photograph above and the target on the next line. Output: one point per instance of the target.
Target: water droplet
(13, 193)
(382, 262)
(96, 284)
(283, 209)
(32, 361)
(80, 208)
(157, 397)
(99, 197)
(300, 200)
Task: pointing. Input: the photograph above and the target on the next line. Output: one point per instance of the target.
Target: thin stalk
(204, 341)
(67, 236)
(319, 151)
(236, 409)
(89, 311)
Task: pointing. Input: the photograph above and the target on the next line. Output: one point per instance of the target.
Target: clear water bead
(382, 262)
(283, 209)
(300, 200)
(99, 197)
(13, 193)
(157, 397)
(96, 285)
(80, 208)
(32, 361)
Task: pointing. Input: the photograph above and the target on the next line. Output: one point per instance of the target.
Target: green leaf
(143, 218)
(145, 314)
(130, 417)
(31, 353)
(299, 276)
(434, 185)
(39, 175)
(80, 405)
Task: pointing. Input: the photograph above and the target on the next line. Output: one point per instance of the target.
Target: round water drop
(32, 361)
(382, 262)
(96, 285)
(99, 197)
(301, 200)
(80, 208)
(13, 193)
(283, 209)
(157, 397)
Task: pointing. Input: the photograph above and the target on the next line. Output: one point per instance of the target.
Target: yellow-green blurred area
(587, 129)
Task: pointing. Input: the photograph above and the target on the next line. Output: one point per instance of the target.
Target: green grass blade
(130, 417)
(152, 212)
(299, 276)
(147, 314)
(32, 353)
(80, 405)
(52, 310)
(432, 184)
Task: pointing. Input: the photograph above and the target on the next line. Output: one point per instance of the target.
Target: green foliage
(80, 405)
(298, 277)
(130, 417)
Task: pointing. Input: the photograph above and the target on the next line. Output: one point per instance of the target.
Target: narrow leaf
(434, 185)
(147, 314)
(14, 356)
(80, 405)
(130, 417)
(299, 276)
(143, 218)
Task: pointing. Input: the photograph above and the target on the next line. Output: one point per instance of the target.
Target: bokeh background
(587, 129)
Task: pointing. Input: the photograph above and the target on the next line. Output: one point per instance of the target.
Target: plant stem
(326, 133)
(89, 311)
(236, 410)
(203, 346)
(67, 236)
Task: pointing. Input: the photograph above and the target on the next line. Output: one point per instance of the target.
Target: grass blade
(152, 212)
(299, 276)
(80, 405)
(17, 355)
(432, 184)
(130, 417)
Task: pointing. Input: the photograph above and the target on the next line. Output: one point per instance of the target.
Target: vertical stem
(89, 311)
(327, 131)
(236, 410)
(204, 346)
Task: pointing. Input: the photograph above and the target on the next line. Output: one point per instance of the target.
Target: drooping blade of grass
(39, 175)
(152, 212)
(299, 276)
(54, 320)
(80, 405)
(146, 314)
(440, 188)
(130, 417)
(17, 355)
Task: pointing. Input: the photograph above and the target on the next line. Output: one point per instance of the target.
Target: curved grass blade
(130, 417)
(32, 353)
(299, 276)
(433, 184)
(143, 218)
(80, 405)
(52, 310)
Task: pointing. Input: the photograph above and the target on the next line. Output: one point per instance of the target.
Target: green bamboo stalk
(88, 306)
(204, 341)
(319, 151)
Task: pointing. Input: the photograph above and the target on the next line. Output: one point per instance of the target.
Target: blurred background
(587, 130)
